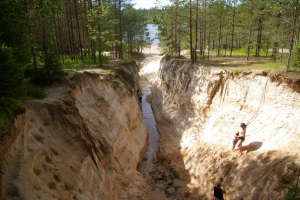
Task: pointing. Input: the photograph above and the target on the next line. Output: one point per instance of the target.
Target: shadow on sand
(253, 146)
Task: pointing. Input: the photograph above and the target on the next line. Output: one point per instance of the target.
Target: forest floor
(240, 63)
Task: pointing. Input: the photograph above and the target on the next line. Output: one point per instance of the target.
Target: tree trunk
(220, 32)
(232, 32)
(60, 37)
(44, 32)
(31, 41)
(120, 32)
(99, 39)
(204, 30)
(196, 27)
(208, 46)
(191, 36)
(78, 28)
(292, 38)
(259, 34)
(69, 46)
(72, 31)
(249, 38)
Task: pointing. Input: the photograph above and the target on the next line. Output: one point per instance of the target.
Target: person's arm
(223, 188)
(223, 191)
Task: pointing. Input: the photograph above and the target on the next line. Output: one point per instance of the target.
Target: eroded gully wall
(198, 109)
(84, 141)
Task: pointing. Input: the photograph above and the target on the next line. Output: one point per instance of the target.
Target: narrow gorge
(87, 139)
(199, 108)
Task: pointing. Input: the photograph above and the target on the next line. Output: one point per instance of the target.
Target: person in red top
(239, 139)
(218, 191)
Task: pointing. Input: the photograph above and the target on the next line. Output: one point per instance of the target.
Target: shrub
(51, 72)
(292, 182)
(11, 73)
(127, 61)
(52, 64)
(9, 109)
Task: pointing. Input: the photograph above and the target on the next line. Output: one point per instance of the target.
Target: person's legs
(233, 147)
(239, 144)
(234, 141)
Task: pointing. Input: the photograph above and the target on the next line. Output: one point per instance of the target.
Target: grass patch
(44, 80)
(102, 67)
(291, 182)
(127, 61)
(137, 55)
(12, 107)
(75, 65)
(239, 63)
(114, 73)
(124, 77)
(35, 92)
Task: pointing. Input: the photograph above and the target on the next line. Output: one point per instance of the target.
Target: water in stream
(147, 165)
(149, 158)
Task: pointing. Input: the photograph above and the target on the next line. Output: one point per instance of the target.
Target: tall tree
(249, 37)
(232, 30)
(292, 36)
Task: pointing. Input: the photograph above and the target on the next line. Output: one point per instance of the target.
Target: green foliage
(13, 48)
(52, 64)
(296, 56)
(9, 109)
(164, 52)
(51, 72)
(75, 65)
(124, 77)
(135, 26)
(13, 25)
(35, 92)
(138, 55)
(127, 61)
(11, 73)
(168, 57)
(292, 182)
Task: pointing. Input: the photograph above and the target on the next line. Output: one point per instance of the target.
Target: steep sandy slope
(84, 141)
(198, 109)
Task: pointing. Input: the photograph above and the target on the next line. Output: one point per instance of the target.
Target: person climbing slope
(218, 191)
(239, 139)
(140, 95)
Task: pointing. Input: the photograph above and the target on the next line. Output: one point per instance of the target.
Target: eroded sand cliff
(198, 109)
(84, 141)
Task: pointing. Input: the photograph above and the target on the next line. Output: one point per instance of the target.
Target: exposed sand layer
(198, 109)
(87, 138)
(84, 141)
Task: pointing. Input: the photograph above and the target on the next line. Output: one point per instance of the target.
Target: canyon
(199, 108)
(87, 138)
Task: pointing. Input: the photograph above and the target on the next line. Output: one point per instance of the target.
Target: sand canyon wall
(198, 109)
(84, 141)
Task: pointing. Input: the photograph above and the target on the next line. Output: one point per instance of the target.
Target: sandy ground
(198, 112)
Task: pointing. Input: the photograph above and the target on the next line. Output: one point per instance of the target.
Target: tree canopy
(257, 25)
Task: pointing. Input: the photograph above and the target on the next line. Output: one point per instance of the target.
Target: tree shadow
(253, 146)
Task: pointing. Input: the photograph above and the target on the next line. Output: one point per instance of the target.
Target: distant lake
(153, 31)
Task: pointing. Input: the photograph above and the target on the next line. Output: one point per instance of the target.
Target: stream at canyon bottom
(149, 158)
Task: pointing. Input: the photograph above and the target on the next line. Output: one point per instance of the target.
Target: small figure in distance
(140, 95)
(239, 139)
(235, 139)
(219, 190)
